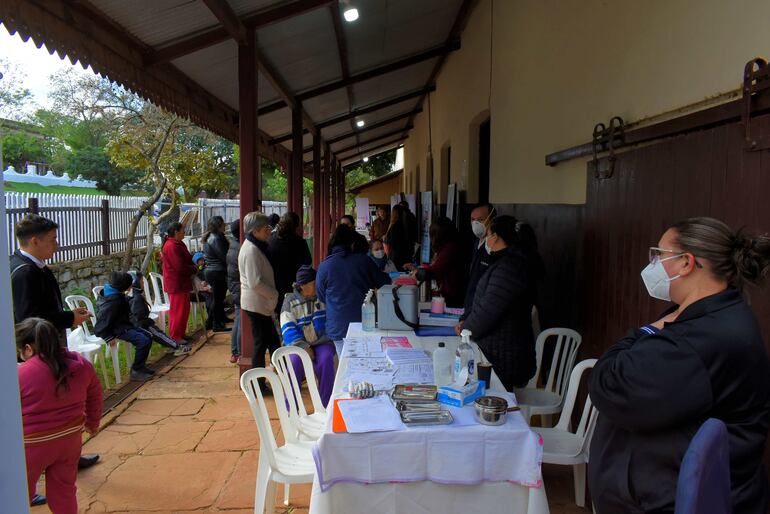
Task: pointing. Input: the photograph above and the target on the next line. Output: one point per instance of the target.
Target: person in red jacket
(60, 396)
(178, 271)
(449, 265)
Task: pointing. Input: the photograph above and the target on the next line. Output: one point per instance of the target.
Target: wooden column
(297, 163)
(333, 195)
(248, 64)
(340, 191)
(317, 199)
(326, 227)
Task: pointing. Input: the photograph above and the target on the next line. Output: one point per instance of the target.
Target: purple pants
(323, 366)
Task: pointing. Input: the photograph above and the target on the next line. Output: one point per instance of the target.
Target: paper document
(376, 414)
(368, 364)
(382, 380)
(413, 374)
(362, 347)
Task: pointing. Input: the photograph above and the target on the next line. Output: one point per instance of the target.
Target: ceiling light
(350, 14)
(366, 159)
(360, 123)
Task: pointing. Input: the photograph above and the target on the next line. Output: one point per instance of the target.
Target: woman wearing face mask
(703, 358)
(500, 318)
(377, 253)
(449, 264)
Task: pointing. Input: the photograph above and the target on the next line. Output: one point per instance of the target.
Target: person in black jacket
(215, 249)
(287, 251)
(399, 241)
(234, 285)
(113, 321)
(500, 318)
(704, 358)
(36, 292)
(481, 218)
(140, 316)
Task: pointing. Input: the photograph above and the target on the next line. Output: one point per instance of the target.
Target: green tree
(20, 148)
(375, 167)
(13, 96)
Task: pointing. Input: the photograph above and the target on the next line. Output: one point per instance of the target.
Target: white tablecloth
(431, 481)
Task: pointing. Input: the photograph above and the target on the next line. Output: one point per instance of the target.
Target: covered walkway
(186, 442)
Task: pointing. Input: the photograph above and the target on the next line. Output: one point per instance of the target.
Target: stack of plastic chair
(560, 445)
(73, 302)
(548, 400)
(309, 426)
(291, 463)
(704, 476)
(159, 302)
(76, 342)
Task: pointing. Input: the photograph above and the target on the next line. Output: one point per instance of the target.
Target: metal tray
(419, 406)
(414, 393)
(416, 419)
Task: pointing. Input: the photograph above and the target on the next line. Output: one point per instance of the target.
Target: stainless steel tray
(414, 393)
(416, 419)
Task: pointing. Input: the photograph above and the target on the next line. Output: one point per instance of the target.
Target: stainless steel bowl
(490, 410)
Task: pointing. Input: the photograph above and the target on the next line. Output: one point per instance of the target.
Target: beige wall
(561, 66)
(379, 194)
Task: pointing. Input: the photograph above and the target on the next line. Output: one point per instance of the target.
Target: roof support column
(340, 191)
(317, 197)
(326, 224)
(297, 163)
(248, 138)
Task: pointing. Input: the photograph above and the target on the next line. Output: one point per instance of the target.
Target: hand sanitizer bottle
(368, 313)
(464, 358)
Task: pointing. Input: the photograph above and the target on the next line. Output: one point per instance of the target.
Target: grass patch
(30, 187)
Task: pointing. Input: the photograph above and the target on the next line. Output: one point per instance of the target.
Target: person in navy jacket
(704, 358)
(343, 279)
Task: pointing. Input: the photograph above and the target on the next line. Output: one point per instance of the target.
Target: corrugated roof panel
(156, 22)
(394, 84)
(275, 123)
(327, 106)
(244, 7)
(303, 49)
(388, 31)
(368, 136)
(351, 158)
(216, 69)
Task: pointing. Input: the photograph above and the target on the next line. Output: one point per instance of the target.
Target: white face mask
(487, 247)
(378, 254)
(657, 281)
(478, 229)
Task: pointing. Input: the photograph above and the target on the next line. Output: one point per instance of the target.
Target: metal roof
(394, 48)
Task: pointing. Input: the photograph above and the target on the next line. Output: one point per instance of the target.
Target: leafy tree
(12, 95)
(20, 148)
(375, 167)
(93, 163)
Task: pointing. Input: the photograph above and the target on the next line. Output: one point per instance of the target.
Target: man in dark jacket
(481, 218)
(36, 292)
(113, 321)
(234, 285)
(140, 316)
(500, 319)
(287, 251)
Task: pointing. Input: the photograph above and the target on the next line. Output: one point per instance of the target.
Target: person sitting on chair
(113, 321)
(140, 316)
(303, 324)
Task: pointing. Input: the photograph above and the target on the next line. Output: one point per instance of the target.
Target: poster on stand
(362, 214)
(426, 205)
(412, 201)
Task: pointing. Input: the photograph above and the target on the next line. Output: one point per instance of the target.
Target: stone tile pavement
(186, 443)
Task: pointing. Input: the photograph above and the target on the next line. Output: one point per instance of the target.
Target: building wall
(559, 67)
(379, 194)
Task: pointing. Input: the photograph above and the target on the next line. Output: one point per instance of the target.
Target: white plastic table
(423, 497)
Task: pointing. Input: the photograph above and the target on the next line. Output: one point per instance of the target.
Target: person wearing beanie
(140, 316)
(201, 290)
(113, 321)
(303, 324)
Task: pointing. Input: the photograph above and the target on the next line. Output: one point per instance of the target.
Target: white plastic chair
(77, 343)
(95, 291)
(291, 463)
(309, 426)
(550, 399)
(560, 446)
(159, 302)
(76, 300)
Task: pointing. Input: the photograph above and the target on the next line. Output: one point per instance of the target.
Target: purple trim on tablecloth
(325, 486)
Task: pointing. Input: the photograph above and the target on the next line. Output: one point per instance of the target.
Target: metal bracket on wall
(604, 139)
(756, 75)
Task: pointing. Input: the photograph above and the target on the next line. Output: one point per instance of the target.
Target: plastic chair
(550, 399)
(76, 300)
(309, 426)
(560, 446)
(77, 343)
(291, 463)
(159, 302)
(704, 477)
(95, 291)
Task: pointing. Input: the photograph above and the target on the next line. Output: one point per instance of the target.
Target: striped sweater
(303, 321)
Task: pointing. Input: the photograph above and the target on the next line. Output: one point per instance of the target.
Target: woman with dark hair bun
(500, 318)
(704, 358)
(287, 251)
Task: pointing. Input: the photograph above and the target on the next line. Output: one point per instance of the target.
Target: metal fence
(88, 225)
(230, 209)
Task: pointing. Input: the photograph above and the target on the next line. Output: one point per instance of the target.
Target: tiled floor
(187, 443)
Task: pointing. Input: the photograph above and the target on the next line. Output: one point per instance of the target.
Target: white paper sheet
(376, 414)
(362, 347)
(381, 380)
(413, 374)
(358, 364)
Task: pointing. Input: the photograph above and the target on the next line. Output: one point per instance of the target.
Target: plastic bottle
(465, 358)
(368, 314)
(442, 365)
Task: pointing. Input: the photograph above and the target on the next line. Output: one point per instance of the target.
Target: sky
(36, 64)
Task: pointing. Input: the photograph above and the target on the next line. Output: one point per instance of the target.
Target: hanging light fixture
(349, 12)
(360, 123)
(366, 159)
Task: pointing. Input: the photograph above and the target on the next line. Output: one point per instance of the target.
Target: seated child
(377, 254)
(303, 324)
(140, 316)
(60, 396)
(201, 289)
(113, 321)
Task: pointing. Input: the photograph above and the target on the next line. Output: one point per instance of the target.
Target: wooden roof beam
(217, 35)
(370, 141)
(384, 147)
(280, 85)
(227, 17)
(370, 74)
(342, 51)
(367, 128)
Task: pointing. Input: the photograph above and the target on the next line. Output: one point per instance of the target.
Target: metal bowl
(490, 410)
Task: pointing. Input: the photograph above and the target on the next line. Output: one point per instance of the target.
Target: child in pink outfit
(60, 396)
